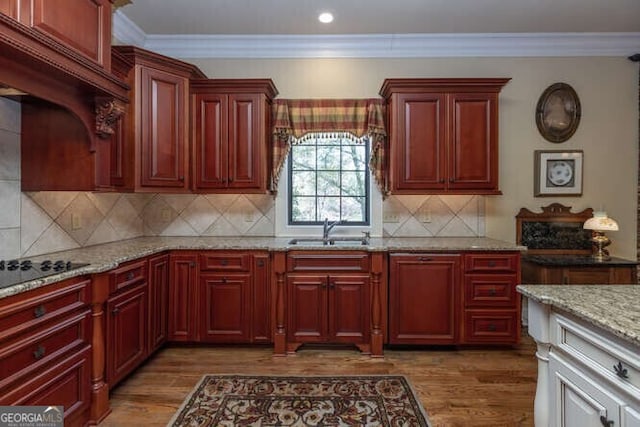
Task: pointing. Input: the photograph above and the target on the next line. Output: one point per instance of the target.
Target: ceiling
(287, 17)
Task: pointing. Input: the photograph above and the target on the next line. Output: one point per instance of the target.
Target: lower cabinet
(45, 348)
(225, 307)
(158, 302)
(127, 323)
(454, 298)
(423, 298)
(183, 287)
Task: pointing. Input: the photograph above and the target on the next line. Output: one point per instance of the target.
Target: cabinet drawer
(25, 312)
(66, 383)
(227, 261)
(491, 262)
(336, 261)
(128, 275)
(30, 352)
(619, 363)
(490, 290)
(496, 327)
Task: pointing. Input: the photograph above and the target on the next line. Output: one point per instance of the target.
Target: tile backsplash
(42, 222)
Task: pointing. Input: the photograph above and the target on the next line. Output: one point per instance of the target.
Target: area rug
(243, 400)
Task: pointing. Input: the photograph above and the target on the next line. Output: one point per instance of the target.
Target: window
(329, 178)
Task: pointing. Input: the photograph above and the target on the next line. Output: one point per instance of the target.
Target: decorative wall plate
(558, 112)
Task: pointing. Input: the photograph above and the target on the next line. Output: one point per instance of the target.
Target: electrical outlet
(390, 217)
(76, 221)
(165, 214)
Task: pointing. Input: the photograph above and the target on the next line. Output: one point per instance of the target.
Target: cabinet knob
(181, 178)
(39, 311)
(39, 353)
(192, 264)
(224, 262)
(260, 263)
(605, 422)
(332, 285)
(491, 327)
(130, 275)
(621, 371)
(224, 280)
(492, 263)
(492, 292)
(230, 179)
(115, 311)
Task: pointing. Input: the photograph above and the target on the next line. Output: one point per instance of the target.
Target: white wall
(608, 131)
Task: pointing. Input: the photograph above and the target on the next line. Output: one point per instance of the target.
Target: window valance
(293, 119)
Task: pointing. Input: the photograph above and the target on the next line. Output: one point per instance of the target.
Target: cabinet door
(418, 141)
(423, 298)
(473, 146)
(126, 332)
(210, 140)
(163, 133)
(349, 308)
(183, 274)
(158, 300)
(261, 300)
(224, 305)
(307, 308)
(246, 140)
(580, 400)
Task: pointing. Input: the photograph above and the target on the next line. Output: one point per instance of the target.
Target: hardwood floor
(468, 387)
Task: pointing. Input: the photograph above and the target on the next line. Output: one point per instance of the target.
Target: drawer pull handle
(491, 327)
(40, 351)
(224, 262)
(492, 292)
(492, 263)
(39, 311)
(422, 259)
(621, 371)
(261, 263)
(130, 275)
(605, 422)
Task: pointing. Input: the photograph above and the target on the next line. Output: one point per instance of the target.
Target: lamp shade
(600, 222)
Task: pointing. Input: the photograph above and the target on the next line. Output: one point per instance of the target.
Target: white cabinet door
(578, 400)
(630, 417)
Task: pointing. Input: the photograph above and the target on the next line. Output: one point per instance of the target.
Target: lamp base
(600, 241)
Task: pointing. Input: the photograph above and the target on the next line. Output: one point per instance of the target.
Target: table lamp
(600, 223)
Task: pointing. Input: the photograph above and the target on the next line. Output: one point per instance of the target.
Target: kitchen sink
(334, 241)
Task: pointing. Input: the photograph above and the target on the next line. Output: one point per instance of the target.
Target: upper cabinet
(443, 135)
(150, 150)
(231, 130)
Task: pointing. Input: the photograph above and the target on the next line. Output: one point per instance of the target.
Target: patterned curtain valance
(293, 119)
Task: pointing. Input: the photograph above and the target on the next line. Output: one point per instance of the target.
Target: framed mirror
(558, 112)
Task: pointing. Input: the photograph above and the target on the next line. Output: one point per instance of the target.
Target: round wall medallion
(558, 112)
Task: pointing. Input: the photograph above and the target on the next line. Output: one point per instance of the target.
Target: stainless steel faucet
(327, 228)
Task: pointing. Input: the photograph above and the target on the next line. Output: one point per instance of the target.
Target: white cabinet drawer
(616, 361)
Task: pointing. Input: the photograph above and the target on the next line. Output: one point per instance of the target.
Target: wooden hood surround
(55, 58)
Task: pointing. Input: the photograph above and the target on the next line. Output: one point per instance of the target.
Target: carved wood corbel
(108, 111)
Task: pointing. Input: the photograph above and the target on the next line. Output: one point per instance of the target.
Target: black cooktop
(16, 271)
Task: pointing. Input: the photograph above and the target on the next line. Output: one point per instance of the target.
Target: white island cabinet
(588, 350)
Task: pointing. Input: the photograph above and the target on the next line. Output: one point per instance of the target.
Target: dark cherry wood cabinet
(424, 298)
(45, 348)
(491, 303)
(183, 295)
(158, 303)
(231, 134)
(577, 270)
(155, 150)
(225, 307)
(261, 304)
(443, 135)
(331, 297)
(127, 321)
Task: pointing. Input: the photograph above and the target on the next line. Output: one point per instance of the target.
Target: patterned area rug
(240, 400)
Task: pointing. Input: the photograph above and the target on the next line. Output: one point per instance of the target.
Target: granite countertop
(107, 256)
(614, 308)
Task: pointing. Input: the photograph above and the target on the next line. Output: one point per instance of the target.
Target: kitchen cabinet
(333, 297)
(231, 134)
(127, 322)
(183, 295)
(577, 270)
(491, 304)
(424, 294)
(154, 155)
(443, 135)
(45, 348)
(158, 302)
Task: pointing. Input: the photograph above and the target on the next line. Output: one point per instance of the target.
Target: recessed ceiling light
(325, 17)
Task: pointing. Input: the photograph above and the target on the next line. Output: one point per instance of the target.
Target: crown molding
(378, 45)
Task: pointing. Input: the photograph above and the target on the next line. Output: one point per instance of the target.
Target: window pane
(303, 183)
(328, 183)
(328, 207)
(303, 157)
(354, 209)
(353, 184)
(354, 157)
(303, 209)
(329, 158)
